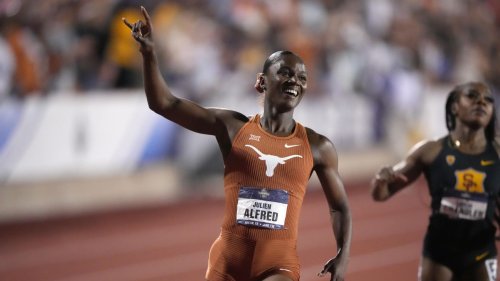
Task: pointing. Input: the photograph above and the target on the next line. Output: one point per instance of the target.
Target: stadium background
(94, 186)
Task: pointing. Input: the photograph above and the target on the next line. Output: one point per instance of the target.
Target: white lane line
(116, 244)
(173, 267)
(374, 260)
(365, 230)
(128, 243)
(120, 244)
(147, 270)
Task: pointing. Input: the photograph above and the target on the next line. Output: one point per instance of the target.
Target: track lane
(172, 242)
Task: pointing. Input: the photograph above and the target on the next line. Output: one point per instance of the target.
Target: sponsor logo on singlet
(271, 160)
(262, 207)
(450, 159)
(254, 137)
(482, 256)
(487, 162)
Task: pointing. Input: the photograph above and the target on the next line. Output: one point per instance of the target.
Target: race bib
(262, 207)
(465, 206)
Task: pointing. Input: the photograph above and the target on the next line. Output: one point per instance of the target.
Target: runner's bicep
(192, 116)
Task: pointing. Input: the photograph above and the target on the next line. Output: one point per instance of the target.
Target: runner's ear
(260, 83)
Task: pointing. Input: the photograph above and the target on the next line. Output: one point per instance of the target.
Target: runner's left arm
(326, 168)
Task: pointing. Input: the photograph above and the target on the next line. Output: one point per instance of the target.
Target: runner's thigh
(432, 271)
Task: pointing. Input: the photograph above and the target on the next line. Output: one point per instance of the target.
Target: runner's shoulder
(427, 150)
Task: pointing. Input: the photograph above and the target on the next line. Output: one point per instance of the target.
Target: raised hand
(142, 32)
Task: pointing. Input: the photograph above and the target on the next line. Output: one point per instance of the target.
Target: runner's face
(286, 82)
(475, 105)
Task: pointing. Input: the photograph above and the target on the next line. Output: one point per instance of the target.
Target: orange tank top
(265, 180)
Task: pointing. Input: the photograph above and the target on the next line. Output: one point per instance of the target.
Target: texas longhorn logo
(271, 160)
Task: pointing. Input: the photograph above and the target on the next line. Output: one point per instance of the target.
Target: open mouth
(291, 92)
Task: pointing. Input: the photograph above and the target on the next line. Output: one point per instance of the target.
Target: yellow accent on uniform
(470, 180)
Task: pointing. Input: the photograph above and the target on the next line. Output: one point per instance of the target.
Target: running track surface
(172, 242)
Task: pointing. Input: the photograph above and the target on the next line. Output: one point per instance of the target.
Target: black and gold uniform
(463, 188)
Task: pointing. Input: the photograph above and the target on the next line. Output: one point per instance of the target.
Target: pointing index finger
(146, 16)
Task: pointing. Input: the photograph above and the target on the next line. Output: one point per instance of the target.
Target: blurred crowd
(388, 51)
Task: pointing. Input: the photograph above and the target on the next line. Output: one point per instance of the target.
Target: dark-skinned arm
(326, 168)
(159, 96)
(389, 180)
